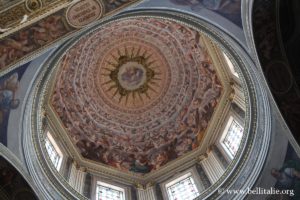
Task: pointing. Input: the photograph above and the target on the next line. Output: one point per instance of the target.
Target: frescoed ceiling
(28, 27)
(136, 93)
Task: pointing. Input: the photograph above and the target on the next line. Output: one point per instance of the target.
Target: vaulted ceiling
(136, 93)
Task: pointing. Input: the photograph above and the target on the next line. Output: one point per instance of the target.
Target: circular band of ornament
(33, 5)
(132, 75)
(84, 12)
(137, 93)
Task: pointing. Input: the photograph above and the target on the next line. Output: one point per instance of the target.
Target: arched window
(53, 150)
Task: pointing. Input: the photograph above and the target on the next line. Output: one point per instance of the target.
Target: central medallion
(132, 76)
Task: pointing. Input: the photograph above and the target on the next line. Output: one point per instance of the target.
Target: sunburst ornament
(132, 74)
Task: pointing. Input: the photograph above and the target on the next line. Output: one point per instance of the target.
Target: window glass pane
(233, 138)
(107, 193)
(183, 190)
(53, 154)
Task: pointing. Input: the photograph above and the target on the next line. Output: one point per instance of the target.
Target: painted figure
(132, 75)
(7, 96)
(7, 100)
(145, 137)
(288, 177)
(28, 40)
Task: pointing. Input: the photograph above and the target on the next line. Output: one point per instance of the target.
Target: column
(87, 185)
(212, 167)
(77, 178)
(72, 174)
(238, 96)
(146, 192)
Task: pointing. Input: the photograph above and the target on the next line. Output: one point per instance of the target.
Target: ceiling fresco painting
(137, 93)
(31, 39)
(141, 101)
(66, 20)
(23, 12)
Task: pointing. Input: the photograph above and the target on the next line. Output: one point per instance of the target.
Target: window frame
(224, 149)
(50, 138)
(109, 183)
(179, 177)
